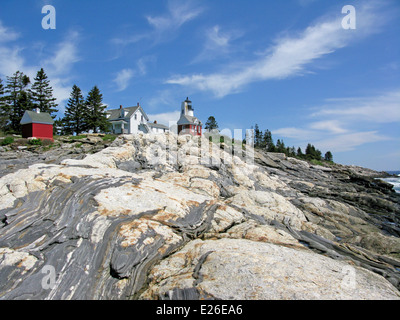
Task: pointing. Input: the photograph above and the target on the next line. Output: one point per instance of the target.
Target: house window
(141, 118)
(135, 116)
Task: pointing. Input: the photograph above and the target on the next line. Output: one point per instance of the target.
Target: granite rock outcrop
(167, 217)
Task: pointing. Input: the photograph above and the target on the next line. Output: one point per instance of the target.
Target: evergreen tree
(74, 119)
(292, 151)
(96, 116)
(17, 99)
(3, 111)
(42, 94)
(309, 150)
(58, 127)
(328, 156)
(211, 124)
(268, 142)
(318, 154)
(312, 153)
(300, 153)
(280, 146)
(257, 137)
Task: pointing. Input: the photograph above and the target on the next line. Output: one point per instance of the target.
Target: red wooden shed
(37, 124)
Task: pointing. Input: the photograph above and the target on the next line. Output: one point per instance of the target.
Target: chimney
(138, 104)
(120, 106)
(155, 121)
(37, 110)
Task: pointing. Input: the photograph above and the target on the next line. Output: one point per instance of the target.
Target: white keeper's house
(132, 120)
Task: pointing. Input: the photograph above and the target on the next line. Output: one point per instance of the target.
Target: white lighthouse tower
(186, 108)
(188, 123)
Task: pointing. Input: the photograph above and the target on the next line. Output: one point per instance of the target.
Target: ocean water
(394, 180)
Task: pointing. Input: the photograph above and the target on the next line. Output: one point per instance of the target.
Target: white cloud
(217, 43)
(65, 55)
(218, 39)
(294, 133)
(7, 34)
(122, 79)
(143, 63)
(179, 12)
(166, 118)
(348, 142)
(10, 60)
(346, 123)
(57, 64)
(332, 126)
(379, 109)
(165, 26)
(288, 57)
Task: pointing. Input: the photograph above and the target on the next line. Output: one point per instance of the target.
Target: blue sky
(288, 66)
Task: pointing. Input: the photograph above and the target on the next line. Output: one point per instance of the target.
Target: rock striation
(167, 217)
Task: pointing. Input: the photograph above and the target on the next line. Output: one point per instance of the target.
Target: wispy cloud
(295, 133)
(143, 64)
(343, 124)
(122, 79)
(65, 55)
(349, 141)
(179, 12)
(332, 126)
(57, 63)
(164, 27)
(11, 59)
(217, 43)
(380, 109)
(7, 34)
(165, 118)
(288, 57)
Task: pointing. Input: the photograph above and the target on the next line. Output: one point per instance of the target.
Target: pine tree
(312, 153)
(17, 99)
(292, 151)
(328, 156)
(42, 94)
(268, 142)
(96, 116)
(74, 119)
(257, 137)
(3, 113)
(300, 153)
(280, 146)
(211, 124)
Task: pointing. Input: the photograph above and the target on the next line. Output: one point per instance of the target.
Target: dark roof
(34, 117)
(116, 113)
(185, 119)
(157, 125)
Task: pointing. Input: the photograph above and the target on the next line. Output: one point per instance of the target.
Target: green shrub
(81, 136)
(7, 141)
(109, 137)
(35, 142)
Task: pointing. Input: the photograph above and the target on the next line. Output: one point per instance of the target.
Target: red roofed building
(188, 123)
(36, 124)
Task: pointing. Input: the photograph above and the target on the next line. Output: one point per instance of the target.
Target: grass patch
(316, 162)
(82, 136)
(6, 141)
(109, 137)
(35, 142)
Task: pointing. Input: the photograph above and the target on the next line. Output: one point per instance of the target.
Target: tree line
(264, 140)
(18, 94)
